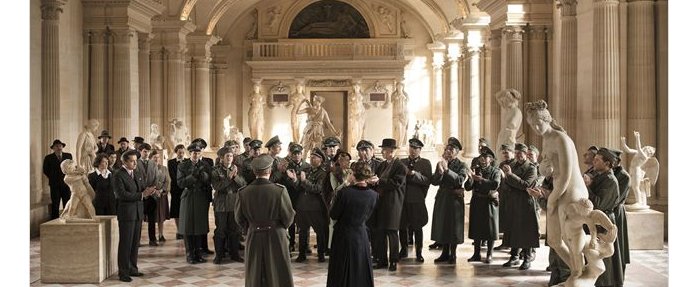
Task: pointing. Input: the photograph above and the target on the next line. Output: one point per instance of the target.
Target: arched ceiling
(217, 16)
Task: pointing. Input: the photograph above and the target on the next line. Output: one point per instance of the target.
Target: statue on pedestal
(155, 139)
(79, 207)
(86, 148)
(296, 100)
(644, 172)
(400, 99)
(564, 219)
(256, 112)
(317, 121)
(179, 133)
(510, 117)
(357, 114)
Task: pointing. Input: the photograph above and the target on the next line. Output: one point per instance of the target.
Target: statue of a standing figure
(79, 207)
(357, 114)
(297, 98)
(644, 171)
(179, 134)
(256, 112)
(155, 139)
(564, 227)
(400, 98)
(313, 134)
(226, 128)
(510, 116)
(86, 148)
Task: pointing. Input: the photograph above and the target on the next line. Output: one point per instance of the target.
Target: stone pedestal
(645, 230)
(73, 252)
(111, 237)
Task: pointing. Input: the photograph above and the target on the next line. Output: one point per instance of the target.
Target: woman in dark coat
(175, 190)
(101, 181)
(484, 210)
(350, 256)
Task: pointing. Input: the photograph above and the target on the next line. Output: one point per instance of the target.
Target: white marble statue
(226, 128)
(400, 120)
(256, 112)
(357, 114)
(86, 147)
(297, 99)
(644, 171)
(428, 133)
(155, 139)
(179, 133)
(565, 235)
(510, 117)
(79, 207)
(318, 120)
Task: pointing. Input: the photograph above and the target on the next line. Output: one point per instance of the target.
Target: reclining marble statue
(79, 207)
(644, 171)
(568, 197)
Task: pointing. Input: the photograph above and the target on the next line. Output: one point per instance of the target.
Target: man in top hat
(194, 175)
(365, 149)
(330, 145)
(226, 180)
(507, 152)
(390, 185)
(604, 194)
(310, 205)
(264, 209)
(523, 234)
(273, 149)
(295, 166)
(123, 147)
(137, 141)
(104, 146)
(448, 220)
(255, 151)
(239, 159)
(414, 210)
(52, 170)
(204, 241)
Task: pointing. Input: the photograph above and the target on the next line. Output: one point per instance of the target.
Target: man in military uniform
(255, 151)
(330, 146)
(226, 181)
(504, 213)
(52, 170)
(414, 210)
(589, 160)
(523, 234)
(365, 149)
(273, 149)
(194, 175)
(295, 165)
(209, 194)
(390, 184)
(311, 208)
(239, 159)
(264, 209)
(619, 211)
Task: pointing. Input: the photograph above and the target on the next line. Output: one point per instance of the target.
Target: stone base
(645, 230)
(73, 252)
(111, 236)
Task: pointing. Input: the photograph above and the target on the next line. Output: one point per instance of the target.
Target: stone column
(642, 102)
(464, 113)
(537, 77)
(144, 84)
(454, 93)
(514, 60)
(474, 116)
(124, 109)
(660, 201)
(438, 50)
(496, 86)
(221, 106)
(97, 76)
(157, 103)
(202, 118)
(566, 113)
(605, 97)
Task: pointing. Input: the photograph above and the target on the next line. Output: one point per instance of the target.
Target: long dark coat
(266, 257)
(621, 219)
(504, 203)
(293, 189)
(350, 257)
(447, 226)
(196, 181)
(105, 200)
(391, 194)
(52, 169)
(414, 210)
(175, 190)
(603, 193)
(484, 214)
(523, 217)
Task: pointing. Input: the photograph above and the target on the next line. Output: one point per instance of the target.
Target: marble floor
(165, 265)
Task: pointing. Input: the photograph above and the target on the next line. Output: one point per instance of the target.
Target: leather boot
(445, 250)
(218, 244)
(453, 247)
(476, 252)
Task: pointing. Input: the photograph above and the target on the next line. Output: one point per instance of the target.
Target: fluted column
(474, 116)
(496, 86)
(642, 103)
(537, 82)
(221, 106)
(438, 51)
(662, 40)
(144, 83)
(454, 93)
(465, 95)
(157, 103)
(97, 76)
(605, 95)
(514, 60)
(566, 112)
(202, 117)
(124, 109)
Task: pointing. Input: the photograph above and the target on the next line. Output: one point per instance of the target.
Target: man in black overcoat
(52, 170)
(414, 209)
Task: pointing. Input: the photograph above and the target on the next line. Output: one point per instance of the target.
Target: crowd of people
(364, 212)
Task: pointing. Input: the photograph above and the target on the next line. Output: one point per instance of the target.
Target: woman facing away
(350, 255)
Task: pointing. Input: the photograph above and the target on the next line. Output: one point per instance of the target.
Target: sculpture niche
(79, 208)
(400, 111)
(318, 120)
(644, 171)
(357, 114)
(86, 147)
(256, 112)
(510, 118)
(566, 201)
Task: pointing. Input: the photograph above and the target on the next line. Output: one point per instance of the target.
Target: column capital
(51, 9)
(199, 45)
(537, 32)
(136, 14)
(513, 33)
(569, 7)
(144, 41)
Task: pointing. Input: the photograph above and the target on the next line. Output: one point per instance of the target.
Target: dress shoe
(291, 247)
(136, 274)
(179, 236)
(162, 238)
(199, 259)
(442, 259)
(125, 278)
(380, 265)
(488, 259)
(392, 267)
(525, 265)
(474, 258)
(191, 260)
(452, 260)
(513, 261)
(501, 247)
(436, 245)
(420, 259)
(237, 259)
(403, 253)
(321, 258)
(301, 258)
(153, 243)
(217, 260)
(207, 251)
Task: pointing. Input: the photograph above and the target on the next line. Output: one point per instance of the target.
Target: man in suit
(129, 214)
(146, 174)
(104, 146)
(175, 189)
(414, 209)
(52, 170)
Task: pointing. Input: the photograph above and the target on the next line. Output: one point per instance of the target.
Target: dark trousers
(58, 193)
(382, 244)
(192, 246)
(150, 208)
(523, 253)
(418, 238)
(227, 234)
(319, 225)
(292, 233)
(129, 238)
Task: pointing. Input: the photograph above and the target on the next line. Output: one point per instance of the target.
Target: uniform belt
(261, 226)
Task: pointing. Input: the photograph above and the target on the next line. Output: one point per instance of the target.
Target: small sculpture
(86, 147)
(273, 16)
(179, 133)
(357, 114)
(155, 139)
(644, 171)
(510, 116)
(317, 121)
(296, 100)
(226, 128)
(79, 207)
(428, 134)
(256, 112)
(400, 98)
(252, 33)
(386, 17)
(405, 30)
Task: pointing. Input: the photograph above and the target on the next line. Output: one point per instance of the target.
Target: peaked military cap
(255, 144)
(262, 162)
(416, 143)
(317, 152)
(455, 143)
(272, 142)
